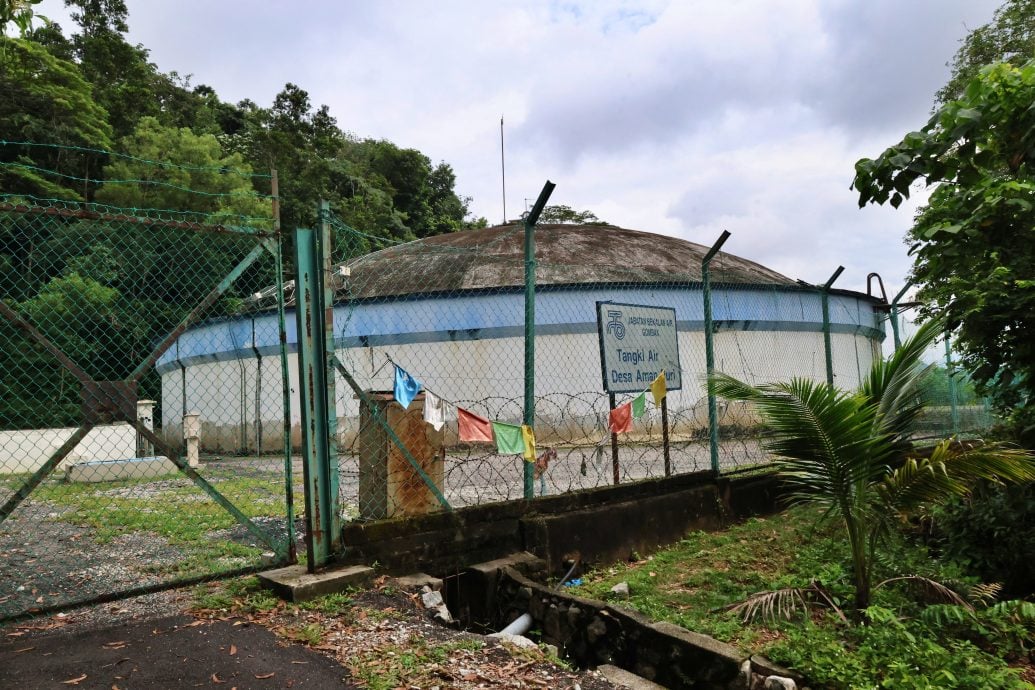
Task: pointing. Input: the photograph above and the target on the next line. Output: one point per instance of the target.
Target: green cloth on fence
(509, 440)
(639, 405)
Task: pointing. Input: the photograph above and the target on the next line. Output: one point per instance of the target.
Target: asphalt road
(163, 654)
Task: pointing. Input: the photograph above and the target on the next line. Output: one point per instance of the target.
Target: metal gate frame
(105, 402)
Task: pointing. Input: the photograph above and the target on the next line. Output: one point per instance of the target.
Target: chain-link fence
(954, 407)
(449, 311)
(120, 468)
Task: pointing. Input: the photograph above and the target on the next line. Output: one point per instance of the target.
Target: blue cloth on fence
(406, 387)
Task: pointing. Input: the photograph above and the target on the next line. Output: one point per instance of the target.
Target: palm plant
(852, 454)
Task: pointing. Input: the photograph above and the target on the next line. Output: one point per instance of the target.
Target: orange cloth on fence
(472, 427)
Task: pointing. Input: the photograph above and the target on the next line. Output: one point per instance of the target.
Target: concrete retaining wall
(592, 633)
(599, 525)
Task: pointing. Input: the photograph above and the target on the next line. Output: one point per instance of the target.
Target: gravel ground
(48, 563)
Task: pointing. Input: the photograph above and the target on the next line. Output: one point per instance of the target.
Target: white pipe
(523, 623)
(520, 626)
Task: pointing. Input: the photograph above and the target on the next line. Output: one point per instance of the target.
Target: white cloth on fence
(434, 410)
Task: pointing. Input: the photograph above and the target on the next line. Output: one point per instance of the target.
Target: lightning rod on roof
(503, 173)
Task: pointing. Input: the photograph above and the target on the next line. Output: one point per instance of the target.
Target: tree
(851, 452)
(300, 143)
(974, 242)
(174, 168)
(1009, 37)
(566, 214)
(124, 81)
(46, 100)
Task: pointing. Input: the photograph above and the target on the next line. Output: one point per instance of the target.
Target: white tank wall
(487, 377)
(468, 348)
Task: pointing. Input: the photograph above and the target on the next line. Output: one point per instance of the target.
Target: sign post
(637, 343)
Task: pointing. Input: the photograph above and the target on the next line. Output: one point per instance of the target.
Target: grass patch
(332, 604)
(690, 583)
(307, 633)
(179, 512)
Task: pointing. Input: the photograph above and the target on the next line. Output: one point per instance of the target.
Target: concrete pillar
(191, 436)
(146, 417)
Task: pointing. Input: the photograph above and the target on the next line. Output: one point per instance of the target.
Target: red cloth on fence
(473, 427)
(621, 419)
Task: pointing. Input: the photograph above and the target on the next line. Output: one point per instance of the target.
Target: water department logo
(615, 325)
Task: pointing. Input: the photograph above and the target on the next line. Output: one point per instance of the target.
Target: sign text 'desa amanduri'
(637, 342)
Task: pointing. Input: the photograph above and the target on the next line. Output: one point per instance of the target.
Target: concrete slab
(294, 583)
(625, 679)
(418, 581)
(524, 562)
(116, 470)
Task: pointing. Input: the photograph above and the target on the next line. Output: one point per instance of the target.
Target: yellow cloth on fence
(529, 438)
(658, 389)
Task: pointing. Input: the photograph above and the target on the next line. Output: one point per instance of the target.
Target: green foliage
(260, 601)
(203, 179)
(124, 82)
(850, 453)
(938, 387)
(374, 185)
(330, 604)
(1009, 37)
(973, 246)
(115, 508)
(412, 664)
(566, 214)
(990, 533)
(20, 13)
(306, 633)
(894, 645)
(45, 99)
(1007, 627)
(207, 598)
(888, 652)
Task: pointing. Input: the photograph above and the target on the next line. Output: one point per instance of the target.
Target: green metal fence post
(709, 348)
(333, 474)
(321, 505)
(827, 348)
(289, 480)
(953, 393)
(894, 314)
(529, 416)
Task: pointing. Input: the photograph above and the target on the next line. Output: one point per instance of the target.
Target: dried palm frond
(932, 590)
(783, 603)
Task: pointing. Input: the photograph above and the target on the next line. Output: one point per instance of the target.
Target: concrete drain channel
(628, 648)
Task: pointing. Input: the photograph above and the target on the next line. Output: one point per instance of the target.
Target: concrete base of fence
(118, 470)
(294, 583)
(599, 525)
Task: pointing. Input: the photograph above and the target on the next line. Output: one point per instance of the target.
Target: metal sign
(637, 342)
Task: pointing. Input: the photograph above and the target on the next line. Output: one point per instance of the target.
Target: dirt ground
(380, 638)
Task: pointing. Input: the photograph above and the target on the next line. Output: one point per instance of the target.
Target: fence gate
(132, 343)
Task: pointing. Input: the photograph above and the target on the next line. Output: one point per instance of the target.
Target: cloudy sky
(683, 118)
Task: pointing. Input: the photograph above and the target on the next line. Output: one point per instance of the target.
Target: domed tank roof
(566, 254)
